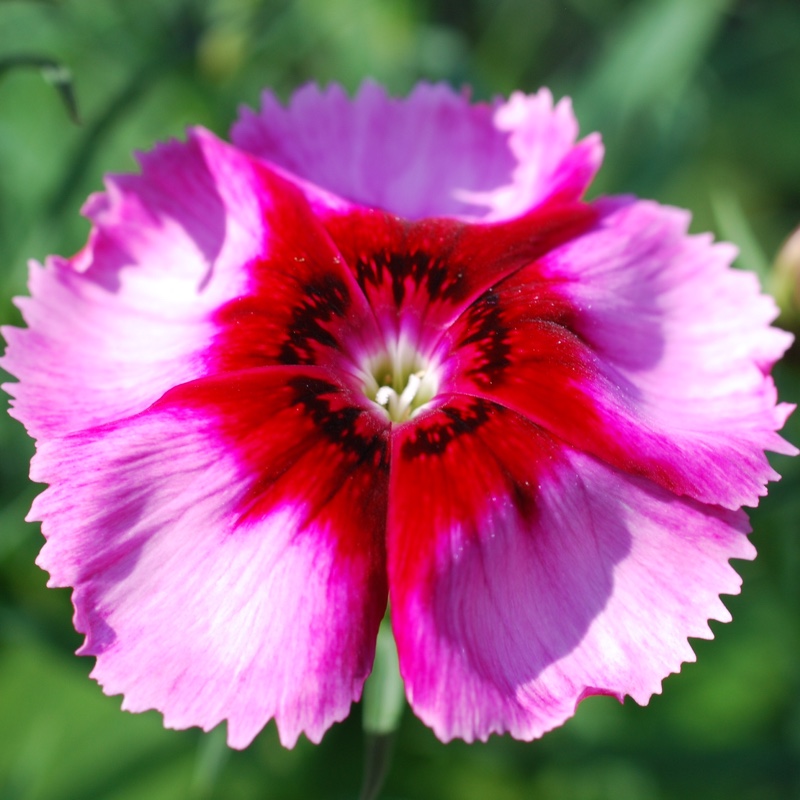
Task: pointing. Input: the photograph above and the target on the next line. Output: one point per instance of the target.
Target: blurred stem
(377, 759)
(78, 164)
(54, 72)
(180, 36)
(384, 696)
(212, 754)
(382, 708)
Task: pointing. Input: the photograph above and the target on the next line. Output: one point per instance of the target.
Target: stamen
(412, 387)
(383, 395)
(400, 405)
(400, 380)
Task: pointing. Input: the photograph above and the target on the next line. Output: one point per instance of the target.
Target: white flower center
(400, 405)
(400, 383)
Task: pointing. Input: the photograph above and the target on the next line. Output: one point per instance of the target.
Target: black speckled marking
(324, 300)
(345, 425)
(489, 337)
(433, 438)
(421, 268)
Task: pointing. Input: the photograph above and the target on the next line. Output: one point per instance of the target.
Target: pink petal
(550, 165)
(431, 154)
(227, 550)
(525, 576)
(637, 344)
(111, 329)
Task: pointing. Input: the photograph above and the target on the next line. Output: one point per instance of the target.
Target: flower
(383, 349)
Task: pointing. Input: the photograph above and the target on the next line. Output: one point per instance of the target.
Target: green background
(699, 105)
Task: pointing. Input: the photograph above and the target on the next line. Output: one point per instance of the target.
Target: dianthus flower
(382, 350)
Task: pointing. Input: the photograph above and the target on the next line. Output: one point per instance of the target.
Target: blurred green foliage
(699, 104)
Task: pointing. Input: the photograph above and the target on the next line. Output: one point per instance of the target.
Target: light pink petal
(550, 162)
(431, 154)
(111, 329)
(639, 345)
(690, 334)
(146, 304)
(227, 550)
(525, 576)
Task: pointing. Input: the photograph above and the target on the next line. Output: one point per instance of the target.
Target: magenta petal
(301, 303)
(226, 549)
(639, 345)
(431, 154)
(525, 576)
